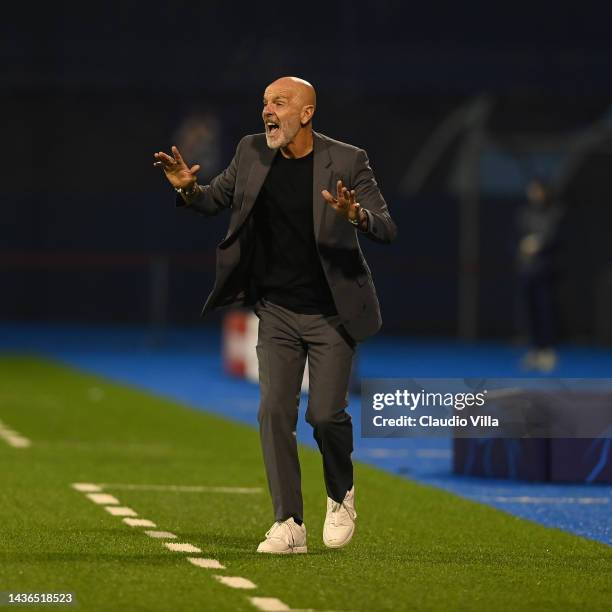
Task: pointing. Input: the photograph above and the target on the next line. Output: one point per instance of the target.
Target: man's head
(288, 106)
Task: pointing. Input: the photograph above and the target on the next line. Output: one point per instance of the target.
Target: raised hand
(344, 203)
(176, 170)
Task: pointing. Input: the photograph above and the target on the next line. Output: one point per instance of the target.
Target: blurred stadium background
(460, 107)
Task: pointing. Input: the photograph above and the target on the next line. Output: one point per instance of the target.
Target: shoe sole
(296, 550)
(350, 537)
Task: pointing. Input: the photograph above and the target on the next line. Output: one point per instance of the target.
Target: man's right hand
(176, 170)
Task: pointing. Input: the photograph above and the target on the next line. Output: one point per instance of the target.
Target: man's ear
(307, 113)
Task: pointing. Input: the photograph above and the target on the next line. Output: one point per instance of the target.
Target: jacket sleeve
(381, 227)
(217, 195)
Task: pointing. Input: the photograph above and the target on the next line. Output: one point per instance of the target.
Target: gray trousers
(285, 339)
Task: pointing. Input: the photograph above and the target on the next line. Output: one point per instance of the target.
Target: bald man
(298, 202)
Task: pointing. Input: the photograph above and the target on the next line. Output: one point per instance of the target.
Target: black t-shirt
(286, 266)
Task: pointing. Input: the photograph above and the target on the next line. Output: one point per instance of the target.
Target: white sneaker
(284, 538)
(340, 521)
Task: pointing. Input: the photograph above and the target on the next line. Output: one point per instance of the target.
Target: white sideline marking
(175, 547)
(84, 487)
(120, 511)
(181, 488)
(236, 582)
(161, 534)
(527, 499)
(137, 522)
(18, 441)
(205, 563)
(269, 604)
(102, 498)
(12, 438)
(109, 502)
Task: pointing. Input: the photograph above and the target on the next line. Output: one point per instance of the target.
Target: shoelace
(335, 509)
(272, 529)
(276, 526)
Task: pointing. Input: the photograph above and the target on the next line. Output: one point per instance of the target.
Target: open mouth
(272, 128)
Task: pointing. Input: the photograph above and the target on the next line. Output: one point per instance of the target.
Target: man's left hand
(345, 205)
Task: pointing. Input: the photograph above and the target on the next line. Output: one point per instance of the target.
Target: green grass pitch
(415, 548)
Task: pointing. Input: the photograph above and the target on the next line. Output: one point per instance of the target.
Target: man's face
(281, 115)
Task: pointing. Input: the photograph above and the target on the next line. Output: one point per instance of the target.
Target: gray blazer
(345, 267)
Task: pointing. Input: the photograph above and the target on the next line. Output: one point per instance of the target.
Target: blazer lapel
(321, 179)
(257, 175)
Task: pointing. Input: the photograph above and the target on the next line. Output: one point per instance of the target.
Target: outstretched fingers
(329, 197)
(344, 202)
(162, 159)
(177, 155)
(340, 190)
(333, 202)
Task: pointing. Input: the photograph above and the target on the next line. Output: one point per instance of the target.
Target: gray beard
(284, 140)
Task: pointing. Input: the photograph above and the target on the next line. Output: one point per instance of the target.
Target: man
(292, 252)
(539, 224)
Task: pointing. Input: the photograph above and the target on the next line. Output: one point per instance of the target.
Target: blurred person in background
(198, 137)
(538, 225)
(292, 252)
